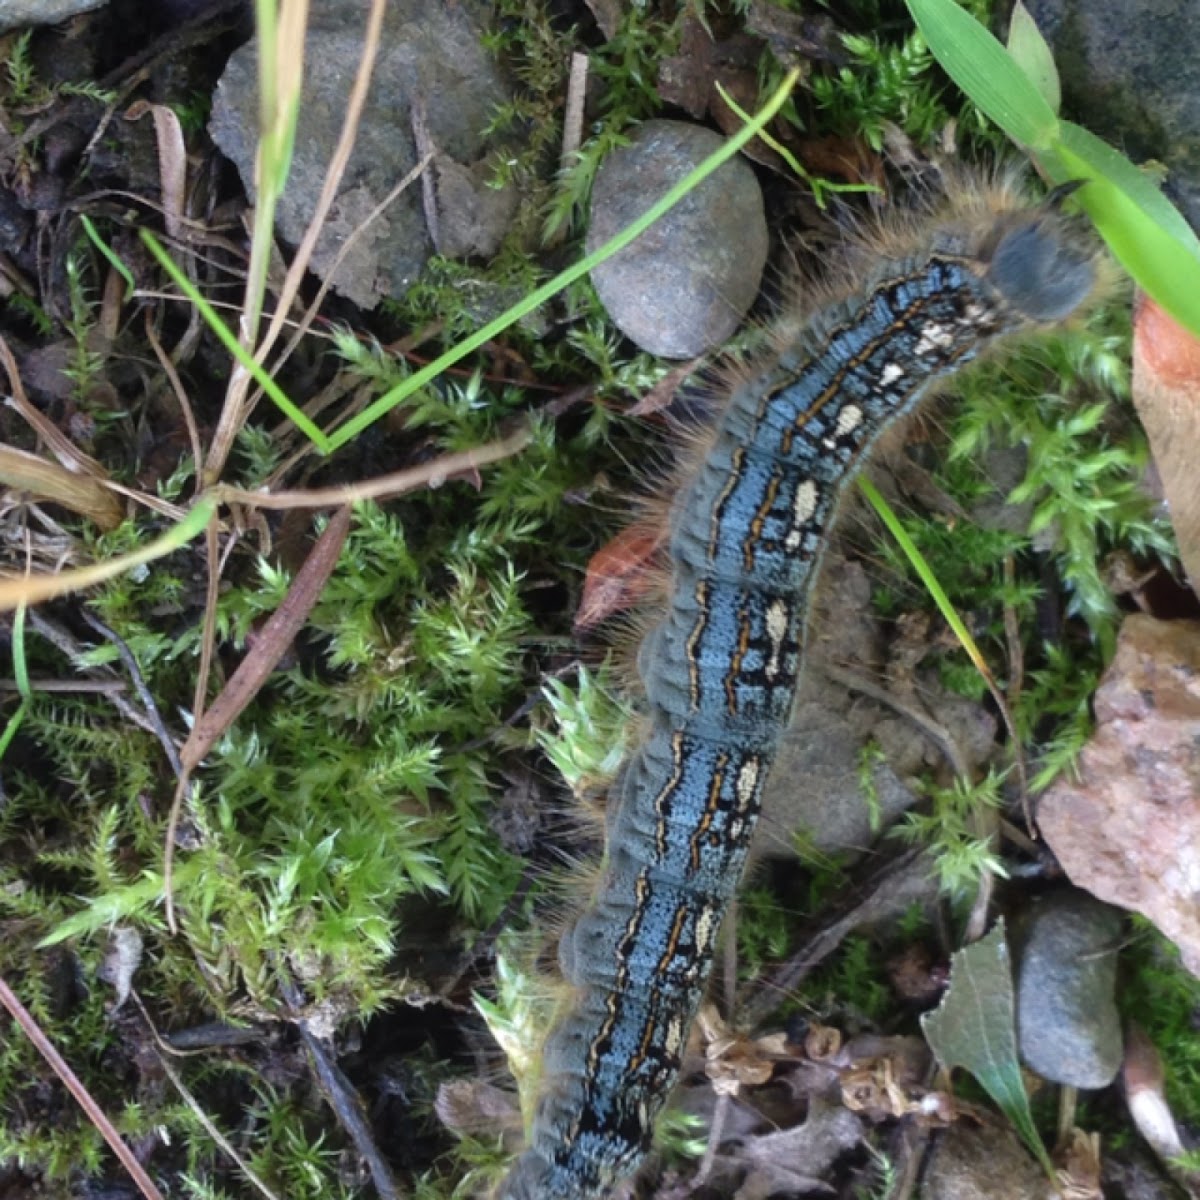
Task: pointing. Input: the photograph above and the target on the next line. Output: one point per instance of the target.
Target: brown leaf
(619, 574)
(172, 160)
(663, 392)
(81, 493)
(470, 1106)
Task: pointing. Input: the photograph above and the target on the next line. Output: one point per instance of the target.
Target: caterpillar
(719, 670)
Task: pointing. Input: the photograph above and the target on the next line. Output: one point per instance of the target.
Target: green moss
(1163, 997)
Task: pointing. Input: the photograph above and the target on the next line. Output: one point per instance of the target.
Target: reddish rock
(1128, 830)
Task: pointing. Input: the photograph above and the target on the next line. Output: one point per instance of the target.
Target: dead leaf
(172, 160)
(1166, 393)
(619, 575)
(732, 1060)
(793, 1160)
(45, 480)
(664, 391)
(121, 960)
(470, 1106)
(1079, 1178)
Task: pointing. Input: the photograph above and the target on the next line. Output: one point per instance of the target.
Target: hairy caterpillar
(720, 669)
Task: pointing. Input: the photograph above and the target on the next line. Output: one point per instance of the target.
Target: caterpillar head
(1042, 268)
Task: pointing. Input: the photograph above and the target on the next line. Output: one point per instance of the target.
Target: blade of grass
(1030, 51)
(31, 589)
(114, 259)
(951, 617)
(818, 185)
(1142, 228)
(540, 295)
(982, 67)
(237, 405)
(21, 675)
(235, 347)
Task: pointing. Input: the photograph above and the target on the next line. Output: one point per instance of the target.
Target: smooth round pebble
(1068, 1026)
(684, 285)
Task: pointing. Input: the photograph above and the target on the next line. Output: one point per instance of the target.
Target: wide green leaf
(1032, 54)
(1145, 232)
(982, 67)
(974, 1027)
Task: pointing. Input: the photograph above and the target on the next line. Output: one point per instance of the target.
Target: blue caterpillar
(720, 669)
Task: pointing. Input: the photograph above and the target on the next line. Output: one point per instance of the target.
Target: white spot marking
(848, 420)
(673, 1039)
(890, 373)
(777, 624)
(803, 509)
(747, 783)
(934, 337)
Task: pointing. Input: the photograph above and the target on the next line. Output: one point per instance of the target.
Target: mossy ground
(390, 795)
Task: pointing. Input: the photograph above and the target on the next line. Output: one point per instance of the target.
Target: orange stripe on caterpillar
(746, 534)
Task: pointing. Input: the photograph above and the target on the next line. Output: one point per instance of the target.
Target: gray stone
(1131, 71)
(16, 14)
(814, 784)
(684, 285)
(431, 72)
(1068, 1026)
(982, 1164)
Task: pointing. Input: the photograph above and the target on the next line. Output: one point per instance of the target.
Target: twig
(164, 1051)
(433, 474)
(139, 683)
(342, 1098)
(83, 1098)
(758, 1000)
(93, 687)
(63, 641)
(858, 682)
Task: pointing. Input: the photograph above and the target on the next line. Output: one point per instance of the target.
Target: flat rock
(982, 1164)
(1128, 828)
(432, 74)
(816, 783)
(16, 14)
(1068, 1026)
(684, 285)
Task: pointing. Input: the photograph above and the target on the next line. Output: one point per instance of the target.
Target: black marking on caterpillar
(720, 669)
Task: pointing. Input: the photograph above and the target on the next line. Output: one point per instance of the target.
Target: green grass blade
(30, 589)
(11, 726)
(925, 573)
(1140, 225)
(109, 253)
(1031, 53)
(988, 74)
(20, 663)
(231, 343)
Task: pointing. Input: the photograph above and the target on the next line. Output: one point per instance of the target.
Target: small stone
(1128, 827)
(16, 14)
(684, 285)
(1068, 1026)
(983, 1164)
